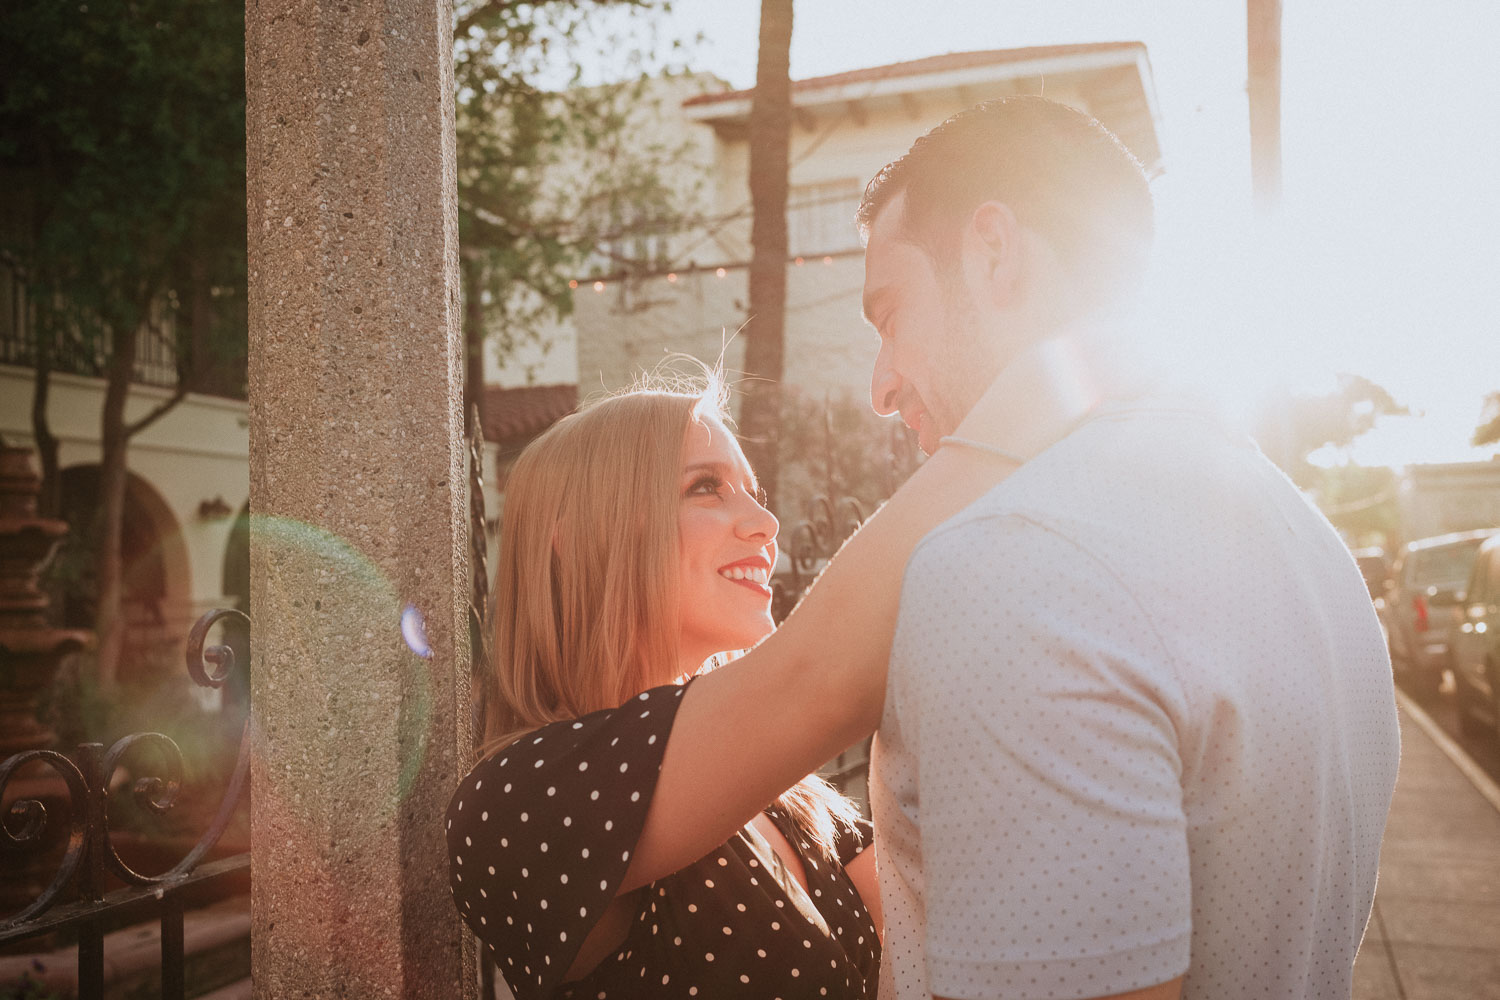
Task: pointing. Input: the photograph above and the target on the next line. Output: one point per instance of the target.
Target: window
(820, 217)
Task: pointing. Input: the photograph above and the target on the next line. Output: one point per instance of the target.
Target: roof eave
(1125, 54)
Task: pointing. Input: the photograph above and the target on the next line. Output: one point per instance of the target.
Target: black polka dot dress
(540, 835)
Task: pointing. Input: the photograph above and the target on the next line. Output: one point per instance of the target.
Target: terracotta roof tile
(931, 64)
(513, 416)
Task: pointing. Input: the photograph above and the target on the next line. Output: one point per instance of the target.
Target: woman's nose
(758, 521)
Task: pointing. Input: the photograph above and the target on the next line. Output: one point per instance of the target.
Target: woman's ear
(993, 242)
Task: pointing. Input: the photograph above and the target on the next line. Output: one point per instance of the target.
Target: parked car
(1475, 652)
(1419, 604)
(1376, 569)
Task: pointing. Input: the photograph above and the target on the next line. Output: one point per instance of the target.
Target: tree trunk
(197, 360)
(473, 292)
(770, 137)
(109, 624)
(1263, 57)
(49, 499)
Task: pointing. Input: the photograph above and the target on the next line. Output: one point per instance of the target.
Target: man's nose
(885, 388)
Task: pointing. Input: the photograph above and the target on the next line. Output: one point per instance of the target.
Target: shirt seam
(1168, 656)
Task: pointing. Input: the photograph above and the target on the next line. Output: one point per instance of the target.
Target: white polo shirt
(1139, 722)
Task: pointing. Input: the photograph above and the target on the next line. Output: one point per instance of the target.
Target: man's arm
(1040, 708)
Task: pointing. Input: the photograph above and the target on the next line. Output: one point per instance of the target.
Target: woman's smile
(724, 534)
(755, 574)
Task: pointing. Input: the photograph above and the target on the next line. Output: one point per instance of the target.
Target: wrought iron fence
(809, 545)
(91, 858)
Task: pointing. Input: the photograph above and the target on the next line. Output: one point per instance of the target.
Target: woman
(615, 839)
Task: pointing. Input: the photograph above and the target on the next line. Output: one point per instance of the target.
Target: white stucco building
(184, 542)
(847, 126)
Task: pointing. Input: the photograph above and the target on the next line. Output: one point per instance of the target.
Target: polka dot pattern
(1153, 724)
(540, 835)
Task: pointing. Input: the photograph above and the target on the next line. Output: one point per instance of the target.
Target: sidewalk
(1435, 932)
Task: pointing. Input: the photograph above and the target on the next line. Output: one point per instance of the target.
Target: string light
(719, 272)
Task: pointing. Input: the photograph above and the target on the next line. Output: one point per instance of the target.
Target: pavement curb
(1482, 782)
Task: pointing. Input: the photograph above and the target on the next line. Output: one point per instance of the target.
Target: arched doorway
(157, 581)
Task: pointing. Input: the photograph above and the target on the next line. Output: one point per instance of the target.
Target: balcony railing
(157, 357)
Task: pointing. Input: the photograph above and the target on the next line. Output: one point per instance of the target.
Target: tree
(549, 170)
(122, 131)
(1291, 428)
(765, 329)
(1488, 431)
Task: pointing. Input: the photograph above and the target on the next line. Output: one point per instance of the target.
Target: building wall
(684, 153)
(197, 452)
(626, 326)
(631, 327)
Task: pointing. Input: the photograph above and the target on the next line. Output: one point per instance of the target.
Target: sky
(1384, 257)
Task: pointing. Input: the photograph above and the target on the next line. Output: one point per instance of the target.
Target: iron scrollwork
(87, 774)
(810, 544)
(479, 587)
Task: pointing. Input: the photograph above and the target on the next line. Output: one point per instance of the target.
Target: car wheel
(1422, 682)
(1492, 673)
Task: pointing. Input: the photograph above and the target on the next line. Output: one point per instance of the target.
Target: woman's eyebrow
(718, 467)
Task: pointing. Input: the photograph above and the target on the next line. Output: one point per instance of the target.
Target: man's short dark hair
(1065, 176)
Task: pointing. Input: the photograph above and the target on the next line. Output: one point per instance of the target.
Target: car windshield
(1444, 566)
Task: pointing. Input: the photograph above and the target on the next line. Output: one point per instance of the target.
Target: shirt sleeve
(1039, 702)
(540, 834)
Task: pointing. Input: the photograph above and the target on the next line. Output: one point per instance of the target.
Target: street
(1435, 930)
(1483, 750)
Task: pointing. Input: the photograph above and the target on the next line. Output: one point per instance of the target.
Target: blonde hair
(585, 613)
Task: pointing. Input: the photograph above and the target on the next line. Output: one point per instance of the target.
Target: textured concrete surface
(358, 497)
(1435, 932)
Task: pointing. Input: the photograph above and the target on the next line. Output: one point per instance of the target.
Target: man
(1139, 734)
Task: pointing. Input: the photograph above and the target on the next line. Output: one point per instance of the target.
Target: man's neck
(1051, 385)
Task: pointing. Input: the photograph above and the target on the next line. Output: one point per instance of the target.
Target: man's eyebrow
(873, 300)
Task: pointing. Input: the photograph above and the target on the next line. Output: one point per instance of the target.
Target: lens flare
(414, 631)
(338, 612)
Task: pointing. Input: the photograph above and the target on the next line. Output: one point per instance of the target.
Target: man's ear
(995, 241)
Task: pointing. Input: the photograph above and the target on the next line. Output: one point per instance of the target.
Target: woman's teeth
(755, 574)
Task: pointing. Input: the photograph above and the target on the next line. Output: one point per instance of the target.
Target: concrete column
(358, 493)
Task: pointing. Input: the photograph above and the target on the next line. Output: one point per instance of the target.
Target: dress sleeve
(853, 840)
(540, 834)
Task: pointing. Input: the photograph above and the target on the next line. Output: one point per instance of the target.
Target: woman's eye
(707, 486)
(762, 497)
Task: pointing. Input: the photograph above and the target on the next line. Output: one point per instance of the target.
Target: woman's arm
(748, 731)
(861, 871)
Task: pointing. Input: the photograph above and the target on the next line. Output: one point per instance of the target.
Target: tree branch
(158, 411)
